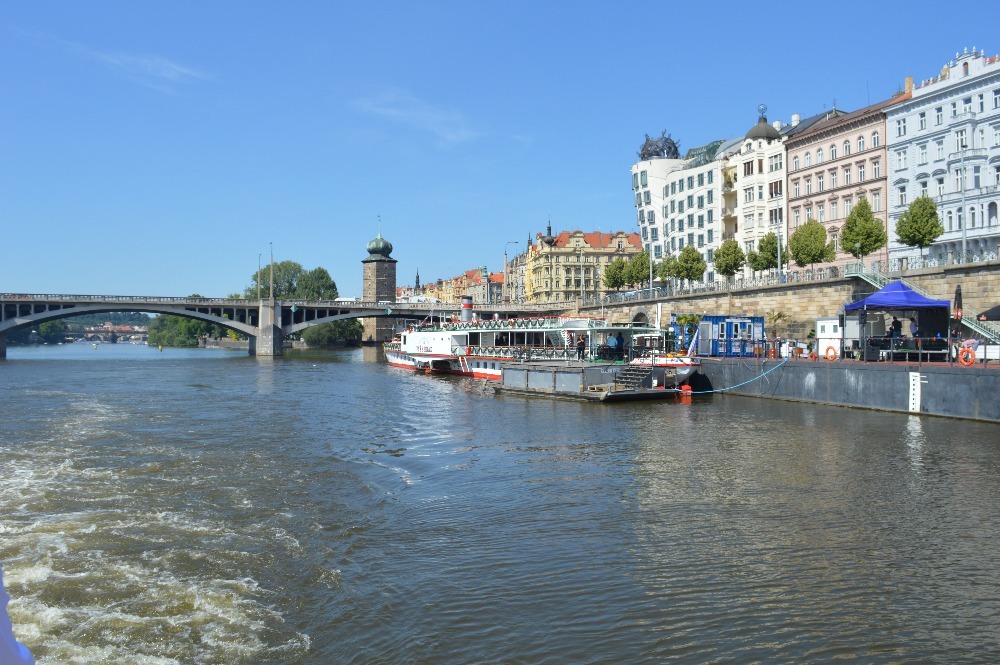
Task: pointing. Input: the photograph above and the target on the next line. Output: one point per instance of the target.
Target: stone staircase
(633, 377)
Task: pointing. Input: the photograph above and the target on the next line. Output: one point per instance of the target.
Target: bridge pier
(270, 340)
(3, 346)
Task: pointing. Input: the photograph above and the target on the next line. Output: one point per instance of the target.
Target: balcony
(964, 116)
(970, 153)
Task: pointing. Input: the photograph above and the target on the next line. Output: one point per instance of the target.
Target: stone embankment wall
(803, 303)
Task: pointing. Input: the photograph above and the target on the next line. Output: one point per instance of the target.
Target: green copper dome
(380, 246)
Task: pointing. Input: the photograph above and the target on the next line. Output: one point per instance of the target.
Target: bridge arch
(35, 318)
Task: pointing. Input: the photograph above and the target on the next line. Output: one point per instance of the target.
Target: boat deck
(586, 381)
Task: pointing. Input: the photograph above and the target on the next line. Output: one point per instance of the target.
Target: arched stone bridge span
(266, 322)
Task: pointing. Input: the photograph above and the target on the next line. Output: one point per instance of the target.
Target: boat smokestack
(466, 308)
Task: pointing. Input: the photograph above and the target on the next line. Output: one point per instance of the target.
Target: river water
(205, 506)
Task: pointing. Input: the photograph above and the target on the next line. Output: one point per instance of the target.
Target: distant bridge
(266, 322)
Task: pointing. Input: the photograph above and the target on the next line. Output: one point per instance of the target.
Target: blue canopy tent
(932, 314)
(896, 295)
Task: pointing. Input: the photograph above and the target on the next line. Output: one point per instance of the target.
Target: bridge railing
(65, 297)
(244, 302)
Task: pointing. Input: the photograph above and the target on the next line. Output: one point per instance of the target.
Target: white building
(679, 203)
(951, 122)
(755, 173)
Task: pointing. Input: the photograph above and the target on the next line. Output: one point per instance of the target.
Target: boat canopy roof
(542, 323)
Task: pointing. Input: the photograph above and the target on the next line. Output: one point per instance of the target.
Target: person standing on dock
(581, 346)
(896, 329)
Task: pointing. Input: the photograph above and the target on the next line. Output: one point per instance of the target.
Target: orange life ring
(831, 353)
(967, 356)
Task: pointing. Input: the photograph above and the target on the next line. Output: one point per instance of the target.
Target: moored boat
(650, 351)
(480, 348)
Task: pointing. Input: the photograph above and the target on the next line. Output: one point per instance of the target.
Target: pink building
(833, 164)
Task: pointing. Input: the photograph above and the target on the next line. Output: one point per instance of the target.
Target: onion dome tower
(378, 286)
(548, 238)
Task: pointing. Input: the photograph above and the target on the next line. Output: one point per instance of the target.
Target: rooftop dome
(762, 130)
(380, 246)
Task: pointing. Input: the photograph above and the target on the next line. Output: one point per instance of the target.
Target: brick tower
(379, 286)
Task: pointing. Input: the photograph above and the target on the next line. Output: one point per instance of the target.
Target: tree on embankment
(808, 245)
(919, 225)
(766, 255)
(862, 234)
(614, 274)
(729, 259)
(690, 265)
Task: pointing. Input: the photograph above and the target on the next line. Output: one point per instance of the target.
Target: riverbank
(936, 389)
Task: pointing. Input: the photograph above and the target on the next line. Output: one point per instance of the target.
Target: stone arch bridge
(266, 322)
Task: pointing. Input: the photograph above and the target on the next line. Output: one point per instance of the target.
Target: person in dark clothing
(581, 346)
(896, 328)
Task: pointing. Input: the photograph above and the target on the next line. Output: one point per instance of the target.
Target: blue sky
(158, 148)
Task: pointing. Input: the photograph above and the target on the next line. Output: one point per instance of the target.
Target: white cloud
(154, 71)
(151, 67)
(403, 107)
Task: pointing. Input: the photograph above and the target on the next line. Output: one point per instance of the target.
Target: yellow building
(571, 265)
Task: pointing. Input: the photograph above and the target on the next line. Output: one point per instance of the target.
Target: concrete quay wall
(804, 302)
(936, 389)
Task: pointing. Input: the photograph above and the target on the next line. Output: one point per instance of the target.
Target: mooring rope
(722, 390)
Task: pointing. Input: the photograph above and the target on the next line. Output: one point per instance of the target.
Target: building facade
(944, 142)
(833, 164)
(679, 204)
(571, 265)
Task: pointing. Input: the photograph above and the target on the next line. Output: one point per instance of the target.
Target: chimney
(908, 84)
(796, 119)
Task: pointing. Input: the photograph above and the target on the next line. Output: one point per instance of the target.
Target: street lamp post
(777, 223)
(503, 287)
(258, 275)
(650, 256)
(961, 218)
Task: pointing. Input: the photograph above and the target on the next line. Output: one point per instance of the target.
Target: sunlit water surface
(208, 507)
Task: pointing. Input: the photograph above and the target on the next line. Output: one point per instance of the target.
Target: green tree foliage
(862, 234)
(919, 225)
(177, 331)
(169, 330)
(614, 274)
(766, 256)
(729, 258)
(667, 268)
(775, 318)
(690, 265)
(689, 322)
(327, 334)
(637, 269)
(316, 284)
(52, 332)
(808, 245)
(292, 281)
